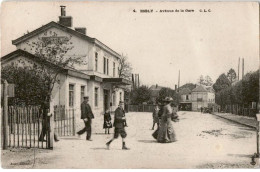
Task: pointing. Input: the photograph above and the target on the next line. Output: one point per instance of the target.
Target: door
(106, 100)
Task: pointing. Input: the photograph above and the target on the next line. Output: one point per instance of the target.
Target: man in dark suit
(87, 116)
(119, 124)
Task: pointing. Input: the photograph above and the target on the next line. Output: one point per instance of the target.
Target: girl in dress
(107, 121)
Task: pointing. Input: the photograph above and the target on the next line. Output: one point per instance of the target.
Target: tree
(189, 86)
(221, 83)
(201, 80)
(30, 87)
(125, 68)
(52, 53)
(168, 92)
(231, 75)
(140, 95)
(208, 81)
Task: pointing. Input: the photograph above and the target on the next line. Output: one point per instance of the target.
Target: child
(107, 121)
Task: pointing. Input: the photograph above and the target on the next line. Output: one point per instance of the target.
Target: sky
(158, 44)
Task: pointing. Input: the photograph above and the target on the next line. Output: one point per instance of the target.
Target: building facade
(97, 75)
(198, 98)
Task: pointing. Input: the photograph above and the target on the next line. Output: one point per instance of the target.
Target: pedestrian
(119, 124)
(87, 116)
(166, 132)
(155, 116)
(201, 109)
(107, 121)
(46, 122)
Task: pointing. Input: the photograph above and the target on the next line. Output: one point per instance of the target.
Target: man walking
(87, 116)
(119, 124)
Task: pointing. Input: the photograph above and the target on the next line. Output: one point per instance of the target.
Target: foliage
(207, 81)
(52, 53)
(168, 92)
(242, 93)
(231, 75)
(221, 83)
(125, 68)
(140, 95)
(188, 85)
(30, 87)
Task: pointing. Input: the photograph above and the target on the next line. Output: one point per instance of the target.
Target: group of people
(119, 122)
(163, 115)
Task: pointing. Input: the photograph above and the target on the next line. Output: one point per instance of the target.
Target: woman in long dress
(165, 133)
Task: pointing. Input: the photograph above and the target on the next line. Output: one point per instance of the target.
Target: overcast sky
(157, 44)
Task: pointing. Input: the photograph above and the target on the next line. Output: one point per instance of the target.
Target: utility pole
(179, 80)
(5, 115)
(243, 68)
(238, 70)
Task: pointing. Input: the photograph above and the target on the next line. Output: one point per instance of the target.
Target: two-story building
(97, 77)
(201, 96)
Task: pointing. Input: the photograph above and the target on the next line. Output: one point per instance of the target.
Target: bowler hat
(85, 97)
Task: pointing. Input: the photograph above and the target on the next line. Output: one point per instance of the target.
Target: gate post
(51, 126)
(5, 115)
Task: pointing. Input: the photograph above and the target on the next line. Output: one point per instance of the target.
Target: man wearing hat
(87, 116)
(119, 124)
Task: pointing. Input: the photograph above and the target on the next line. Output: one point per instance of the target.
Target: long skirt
(165, 133)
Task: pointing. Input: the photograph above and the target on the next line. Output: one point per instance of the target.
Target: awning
(119, 81)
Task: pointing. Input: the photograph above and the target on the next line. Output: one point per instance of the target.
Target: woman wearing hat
(166, 134)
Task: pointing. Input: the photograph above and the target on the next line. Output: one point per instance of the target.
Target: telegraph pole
(179, 80)
(238, 70)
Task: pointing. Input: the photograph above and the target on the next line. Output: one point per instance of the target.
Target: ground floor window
(71, 95)
(96, 96)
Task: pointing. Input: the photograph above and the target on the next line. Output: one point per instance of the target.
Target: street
(204, 141)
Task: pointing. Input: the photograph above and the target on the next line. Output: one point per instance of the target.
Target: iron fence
(64, 121)
(26, 124)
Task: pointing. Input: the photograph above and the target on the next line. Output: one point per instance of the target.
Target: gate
(26, 124)
(64, 121)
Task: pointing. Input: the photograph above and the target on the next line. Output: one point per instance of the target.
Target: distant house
(185, 103)
(155, 89)
(201, 96)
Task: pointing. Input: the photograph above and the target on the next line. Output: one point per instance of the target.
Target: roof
(185, 91)
(202, 88)
(156, 87)
(65, 29)
(66, 70)
(121, 81)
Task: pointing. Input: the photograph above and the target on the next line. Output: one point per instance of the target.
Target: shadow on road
(147, 141)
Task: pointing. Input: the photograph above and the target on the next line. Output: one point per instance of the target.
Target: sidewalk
(243, 120)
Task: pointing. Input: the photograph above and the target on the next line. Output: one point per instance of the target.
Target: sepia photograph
(130, 85)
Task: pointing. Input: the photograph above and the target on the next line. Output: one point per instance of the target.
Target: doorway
(106, 99)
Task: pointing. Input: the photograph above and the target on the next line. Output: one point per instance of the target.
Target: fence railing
(64, 121)
(239, 110)
(141, 108)
(27, 127)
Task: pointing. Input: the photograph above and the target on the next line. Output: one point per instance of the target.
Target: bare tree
(125, 68)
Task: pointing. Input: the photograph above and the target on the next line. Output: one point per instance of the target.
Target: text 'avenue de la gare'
(173, 10)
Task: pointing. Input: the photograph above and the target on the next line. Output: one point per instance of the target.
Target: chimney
(156, 86)
(175, 87)
(81, 30)
(63, 19)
